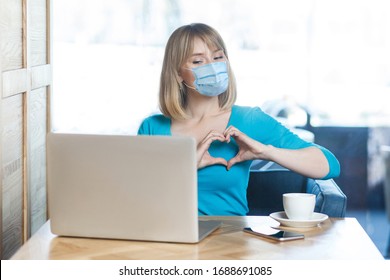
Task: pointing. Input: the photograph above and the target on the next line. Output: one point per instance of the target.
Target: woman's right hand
(203, 156)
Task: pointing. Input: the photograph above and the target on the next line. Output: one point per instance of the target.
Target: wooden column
(25, 80)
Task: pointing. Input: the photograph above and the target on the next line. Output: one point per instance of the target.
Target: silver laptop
(124, 187)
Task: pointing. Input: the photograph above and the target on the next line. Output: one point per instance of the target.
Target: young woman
(197, 95)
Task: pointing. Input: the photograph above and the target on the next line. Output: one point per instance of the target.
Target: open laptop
(124, 187)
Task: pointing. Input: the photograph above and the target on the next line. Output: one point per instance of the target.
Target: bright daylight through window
(330, 57)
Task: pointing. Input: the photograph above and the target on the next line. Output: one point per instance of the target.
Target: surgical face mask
(211, 79)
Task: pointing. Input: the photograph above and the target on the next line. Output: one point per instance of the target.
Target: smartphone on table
(274, 234)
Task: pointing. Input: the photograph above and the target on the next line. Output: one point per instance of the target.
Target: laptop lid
(123, 187)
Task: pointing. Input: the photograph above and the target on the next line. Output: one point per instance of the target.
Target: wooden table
(333, 239)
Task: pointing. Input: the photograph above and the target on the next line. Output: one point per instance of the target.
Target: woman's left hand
(249, 149)
(310, 161)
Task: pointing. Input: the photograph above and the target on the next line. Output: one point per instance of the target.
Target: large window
(330, 56)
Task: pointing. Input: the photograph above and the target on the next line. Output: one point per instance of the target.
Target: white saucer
(284, 221)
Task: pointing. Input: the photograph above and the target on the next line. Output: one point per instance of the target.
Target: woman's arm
(310, 161)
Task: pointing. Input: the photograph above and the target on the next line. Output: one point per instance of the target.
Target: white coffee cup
(299, 206)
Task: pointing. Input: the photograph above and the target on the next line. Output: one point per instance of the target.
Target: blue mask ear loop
(189, 86)
(189, 69)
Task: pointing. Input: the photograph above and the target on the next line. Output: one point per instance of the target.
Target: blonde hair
(173, 94)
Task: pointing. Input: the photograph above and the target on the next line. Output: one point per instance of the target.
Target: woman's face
(201, 55)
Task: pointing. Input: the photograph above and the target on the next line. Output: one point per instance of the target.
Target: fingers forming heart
(204, 157)
(247, 148)
(246, 145)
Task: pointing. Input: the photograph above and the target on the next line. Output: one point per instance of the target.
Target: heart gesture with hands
(203, 156)
(249, 149)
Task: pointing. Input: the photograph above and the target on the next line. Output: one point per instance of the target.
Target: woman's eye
(218, 57)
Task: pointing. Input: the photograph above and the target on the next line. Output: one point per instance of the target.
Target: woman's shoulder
(247, 112)
(249, 118)
(155, 124)
(156, 118)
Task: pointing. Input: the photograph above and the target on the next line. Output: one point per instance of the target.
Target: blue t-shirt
(222, 192)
